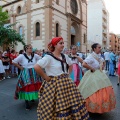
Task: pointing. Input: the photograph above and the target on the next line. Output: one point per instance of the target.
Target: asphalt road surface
(11, 109)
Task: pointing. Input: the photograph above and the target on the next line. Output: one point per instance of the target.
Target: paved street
(11, 109)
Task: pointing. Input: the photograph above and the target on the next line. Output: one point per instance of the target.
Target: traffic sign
(78, 44)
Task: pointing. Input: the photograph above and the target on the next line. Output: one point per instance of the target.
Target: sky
(113, 7)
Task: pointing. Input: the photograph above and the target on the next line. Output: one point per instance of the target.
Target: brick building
(114, 42)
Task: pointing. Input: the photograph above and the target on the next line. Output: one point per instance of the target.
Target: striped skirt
(76, 74)
(28, 85)
(60, 99)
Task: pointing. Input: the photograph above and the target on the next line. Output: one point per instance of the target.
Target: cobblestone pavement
(11, 109)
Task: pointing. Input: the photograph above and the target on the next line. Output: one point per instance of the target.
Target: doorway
(72, 39)
(73, 33)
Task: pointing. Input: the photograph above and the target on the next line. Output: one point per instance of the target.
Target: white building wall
(37, 5)
(84, 28)
(21, 21)
(68, 10)
(38, 44)
(62, 20)
(13, 7)
(61, 5)
(84, 14)
(95, 21)
(38, 15)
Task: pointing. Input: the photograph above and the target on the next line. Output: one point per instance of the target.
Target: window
(57, 2)
(37, 1)
(21, 30)
(19, 10)
(37, 29)
(73, 32)
(84, 38)
(74, 6)
(57, 30)
(6, 11)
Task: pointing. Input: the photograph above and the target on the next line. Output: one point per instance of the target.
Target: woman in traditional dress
(58, 97)
(28, 81)
(2, 71)
(118, 69)
(6, 60)
(14, 69)
(95, 86)
(76, 74)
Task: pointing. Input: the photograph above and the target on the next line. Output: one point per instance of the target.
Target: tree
(3, 17)
(8, 35)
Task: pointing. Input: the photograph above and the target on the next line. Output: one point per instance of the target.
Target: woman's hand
(92, 70)
(79, 59)
(47, 78)
(75, 56)
(21, 68)
(103, 67)
(88, 67)
(40, 72)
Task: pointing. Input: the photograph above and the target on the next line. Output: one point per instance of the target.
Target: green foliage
(3, 17)
(8, 35)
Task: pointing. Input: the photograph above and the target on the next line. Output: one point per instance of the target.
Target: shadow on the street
(104, 116)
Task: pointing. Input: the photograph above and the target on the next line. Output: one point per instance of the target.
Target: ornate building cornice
(74, 18)
(12, 2)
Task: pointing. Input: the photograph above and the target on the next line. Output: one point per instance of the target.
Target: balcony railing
(104, 39)
(104, 17)
(105, 32)
(104, 11)
(104, 24)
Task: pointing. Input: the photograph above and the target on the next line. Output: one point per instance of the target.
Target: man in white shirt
(107, 58)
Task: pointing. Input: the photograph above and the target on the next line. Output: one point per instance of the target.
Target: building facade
(98, 23)
(114, 42)
(41, 20)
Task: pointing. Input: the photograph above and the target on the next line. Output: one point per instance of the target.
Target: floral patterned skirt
(101, 101)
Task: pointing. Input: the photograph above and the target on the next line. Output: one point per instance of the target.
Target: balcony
(104, 24)
(116, 46)
(105, 32)
(104, 17)
(104, 39)
(104, 11)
